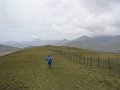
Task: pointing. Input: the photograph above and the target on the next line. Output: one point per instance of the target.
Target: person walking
(49, 60)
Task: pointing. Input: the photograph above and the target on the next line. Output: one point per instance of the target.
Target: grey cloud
(89, 17)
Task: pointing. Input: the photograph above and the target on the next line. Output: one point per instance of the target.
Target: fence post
(102, 63)
(66, 54)
(78, 57)
(62, 52)
(109, 62)
(91, 61)
(98, 61)
(86, 59)
(116, 62)
(72, 56)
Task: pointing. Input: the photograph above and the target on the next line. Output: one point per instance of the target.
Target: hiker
(49, 60)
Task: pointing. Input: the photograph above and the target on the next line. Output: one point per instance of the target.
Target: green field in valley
(27, 70)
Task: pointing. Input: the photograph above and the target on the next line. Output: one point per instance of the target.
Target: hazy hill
(36, 42)
(101, 43)
(58, 42)
(7, 49)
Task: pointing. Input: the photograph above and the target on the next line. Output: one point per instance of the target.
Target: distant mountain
(100, 43)
(7, 49)
(58, 42)
(36, 42)
(83, 38)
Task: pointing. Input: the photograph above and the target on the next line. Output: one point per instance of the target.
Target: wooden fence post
(109, 62)
(62, 52)
(116, 61)
(86, 59)
(66, 54)
(98, 61)
(102, 63)
(91, 61)
(78, 57)
(72, 56)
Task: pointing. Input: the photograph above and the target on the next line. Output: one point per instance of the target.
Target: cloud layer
(73, 17)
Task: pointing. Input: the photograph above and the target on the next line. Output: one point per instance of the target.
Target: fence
(85, 58)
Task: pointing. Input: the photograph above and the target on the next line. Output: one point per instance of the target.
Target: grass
(27, 70)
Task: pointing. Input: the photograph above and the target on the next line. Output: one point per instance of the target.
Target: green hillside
(27, 70)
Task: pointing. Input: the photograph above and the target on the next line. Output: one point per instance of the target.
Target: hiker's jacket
(49, 59)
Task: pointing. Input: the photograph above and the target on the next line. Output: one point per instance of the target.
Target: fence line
(85, 58)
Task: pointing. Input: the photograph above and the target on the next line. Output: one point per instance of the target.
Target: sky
(22, 20)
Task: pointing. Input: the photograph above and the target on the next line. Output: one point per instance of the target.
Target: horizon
(59, 39)
(26, 20)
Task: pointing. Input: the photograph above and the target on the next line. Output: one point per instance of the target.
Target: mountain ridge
(36, 42)
(99, 43)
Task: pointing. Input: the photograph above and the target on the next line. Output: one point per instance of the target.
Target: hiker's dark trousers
(49, 63)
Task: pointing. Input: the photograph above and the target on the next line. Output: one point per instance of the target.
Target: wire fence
(111, 63)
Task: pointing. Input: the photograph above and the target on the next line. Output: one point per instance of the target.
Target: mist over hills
(7, 49)
(98, 43)
(36, 42)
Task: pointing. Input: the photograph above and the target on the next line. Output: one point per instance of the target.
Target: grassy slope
(7, 49)
(27, 70)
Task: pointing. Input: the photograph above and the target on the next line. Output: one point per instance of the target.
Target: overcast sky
(22, 20)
